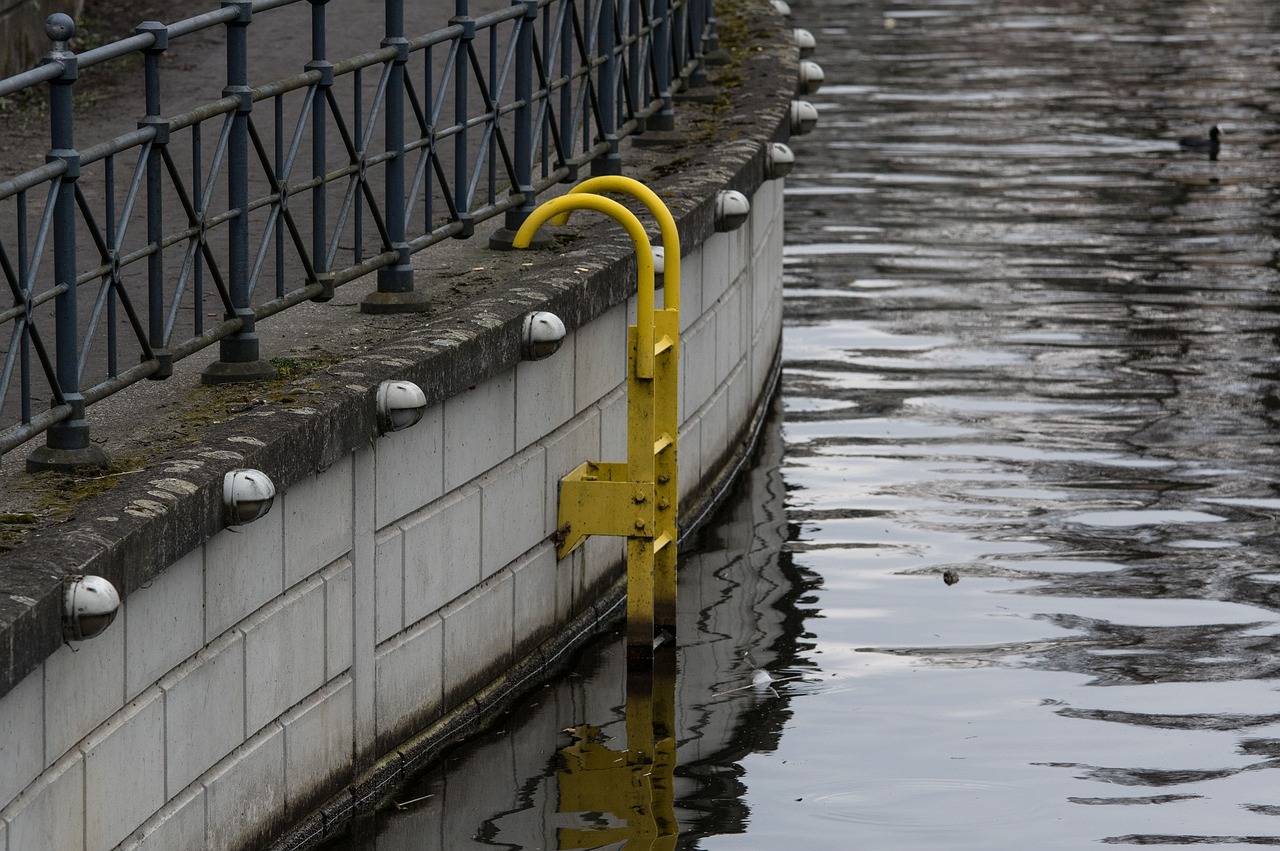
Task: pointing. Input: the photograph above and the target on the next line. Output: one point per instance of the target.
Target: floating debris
(404, 805)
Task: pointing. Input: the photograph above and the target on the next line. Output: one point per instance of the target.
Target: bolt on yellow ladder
(637, 499)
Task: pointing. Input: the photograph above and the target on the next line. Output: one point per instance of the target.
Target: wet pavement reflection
(1008, 573)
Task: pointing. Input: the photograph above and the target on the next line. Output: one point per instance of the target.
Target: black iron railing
(131, 253)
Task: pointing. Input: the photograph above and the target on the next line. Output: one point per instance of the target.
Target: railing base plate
(221, 372)
(46, 458)
(503, 239)
(411, 301)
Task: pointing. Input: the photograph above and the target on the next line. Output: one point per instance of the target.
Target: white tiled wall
(243, 570)
(317, 740)
(245, 791)
(124, 770)
(479, 429)
(163, 623)
(401, 487)
(204, 710)
(409, 675)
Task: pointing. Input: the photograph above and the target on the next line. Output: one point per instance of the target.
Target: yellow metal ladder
(637, 499)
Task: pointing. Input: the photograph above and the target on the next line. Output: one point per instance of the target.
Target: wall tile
(246, 793)
(697, 365)
(243, 569)
(317, 742)
(83, 684)
(410, 467)
(124, 772)
(442, 553)
(338, 626)
(691, 288)
(600, 357)
(477, 634)
(715, 435)
(613, 427)
(49, 815)
(180, 825)
(716, 269)
(599, 556)
(408, 681)
(512, 510)
(21, 735)
(388, 594)
(689, 451)
(164, 622)
(544, 394)
(731, 334)
(543, 597)
(281, 665)
(479, 429)
(204, 711)
(317, 521)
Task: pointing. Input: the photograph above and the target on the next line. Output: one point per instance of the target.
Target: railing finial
(60, 28)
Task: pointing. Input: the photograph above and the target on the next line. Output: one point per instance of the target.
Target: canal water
(1006, 572)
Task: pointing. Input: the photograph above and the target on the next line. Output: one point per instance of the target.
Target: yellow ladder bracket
(597, 498)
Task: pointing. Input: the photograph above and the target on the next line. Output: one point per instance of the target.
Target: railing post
(697, 35)
(607, 92)
(568, 134)
(319, 155)
(635, 70)
(524, 150)
(395, 293)
(461, 156)
(238, 354)
(67, 444)
(155, 197)
(715, 55)
(665, 118)
(678, 13)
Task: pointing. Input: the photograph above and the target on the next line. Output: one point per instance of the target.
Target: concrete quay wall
(271, 674)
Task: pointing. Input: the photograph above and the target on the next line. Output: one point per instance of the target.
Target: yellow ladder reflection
(634, 787)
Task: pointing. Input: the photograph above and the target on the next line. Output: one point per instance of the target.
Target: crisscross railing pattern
(131, 253)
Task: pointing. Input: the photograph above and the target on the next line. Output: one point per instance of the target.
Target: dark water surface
(1015, 542)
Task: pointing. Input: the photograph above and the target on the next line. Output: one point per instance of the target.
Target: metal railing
(138, 240)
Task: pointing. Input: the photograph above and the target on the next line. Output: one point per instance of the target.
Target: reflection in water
(1033, 347)
(625, 795)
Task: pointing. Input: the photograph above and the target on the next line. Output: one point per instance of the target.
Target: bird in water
(1203, 143)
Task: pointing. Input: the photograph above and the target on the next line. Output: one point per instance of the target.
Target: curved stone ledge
(430, 573)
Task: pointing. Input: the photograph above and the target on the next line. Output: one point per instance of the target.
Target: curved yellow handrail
(666, 224)
(566, 204)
